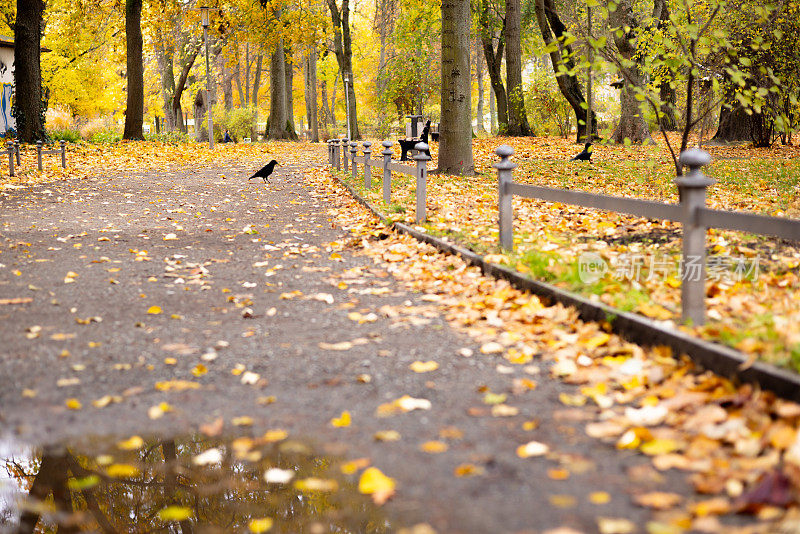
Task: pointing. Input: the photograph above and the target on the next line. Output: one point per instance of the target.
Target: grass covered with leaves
(752, 287)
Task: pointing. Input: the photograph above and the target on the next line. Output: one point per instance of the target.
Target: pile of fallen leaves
(738, 446)
(753, 286)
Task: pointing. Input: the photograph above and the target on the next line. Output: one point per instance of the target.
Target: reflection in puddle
(188, 485)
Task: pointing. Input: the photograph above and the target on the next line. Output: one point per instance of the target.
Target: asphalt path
(116, 289)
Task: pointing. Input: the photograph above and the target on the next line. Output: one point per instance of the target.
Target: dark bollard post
(345, 144)
(39, 154)
(10, 146)
(367, 168)
(692, 187)
(387, 174)
(353, 152)
(63, 154)
(330, 153)
(422, 176)
(505, 208)
(337, 163)
(16, 150)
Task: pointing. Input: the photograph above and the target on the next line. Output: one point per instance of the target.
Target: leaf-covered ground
(181, 296)
(753, 287)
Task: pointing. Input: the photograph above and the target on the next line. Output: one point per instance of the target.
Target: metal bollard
(345, 142)
(353, 152)
(16, 149)
(63, 154)
(505, 209)
(336, 161)
(330, 153)
(10, 146)
(367, 168)
(39, 154)
(387, 174)
(422, 175)
(693, 187)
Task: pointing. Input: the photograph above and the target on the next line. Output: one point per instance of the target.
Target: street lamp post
(204, 13)
(347, 100)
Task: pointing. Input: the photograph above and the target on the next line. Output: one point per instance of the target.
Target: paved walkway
(131, 284)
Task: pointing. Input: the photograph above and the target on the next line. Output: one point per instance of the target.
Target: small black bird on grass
(586, 155)
(265, 171)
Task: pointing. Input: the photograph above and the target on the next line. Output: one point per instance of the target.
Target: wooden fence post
(387, 174)
(422, 176)
(692, 187)
(367, 168)
(505, 208)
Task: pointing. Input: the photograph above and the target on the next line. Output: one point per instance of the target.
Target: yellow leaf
(423, 367)
(468, 470)
(386, 435)
(348, 468)
(596, 341)
(260, 525)
(154, 310)
(242, 421)
(74, 404)
(271, 436)
(122, 471)
(199, 370)
(373, 481)
(599, 497)
(175, 513)
(660, 446)
(131, 444)
(434, 447)
(316, 484)
(343, 421)
(654, 311)
(494, 398)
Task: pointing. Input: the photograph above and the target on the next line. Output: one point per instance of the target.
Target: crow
(586, 155)
(265, 171)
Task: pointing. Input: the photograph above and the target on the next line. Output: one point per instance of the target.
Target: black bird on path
(586, 155)
(265, 171)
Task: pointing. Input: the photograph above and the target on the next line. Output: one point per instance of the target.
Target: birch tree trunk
(455, 130)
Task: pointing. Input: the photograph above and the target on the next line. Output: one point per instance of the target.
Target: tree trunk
(735, 126)
(28, 104)
(200, 108)
(164, 57)
(492, 112)
(180, 86)
(247, 72)
(134, 113)
(343, 48)
(550, 24)
(311, 94)
(668, 121)
(479, 75)
(326, 110)
(238, 76)
(494, 60)
(455, 130)
(288, 63)
(517, 118)
(277, 92)
(257, 80)
(227, 76)
(632, 125)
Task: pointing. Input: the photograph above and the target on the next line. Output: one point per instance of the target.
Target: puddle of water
(192, 484)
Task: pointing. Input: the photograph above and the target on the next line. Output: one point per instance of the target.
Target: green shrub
(105, 136)
(240, 122)
(168, 137)
(70, 135)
